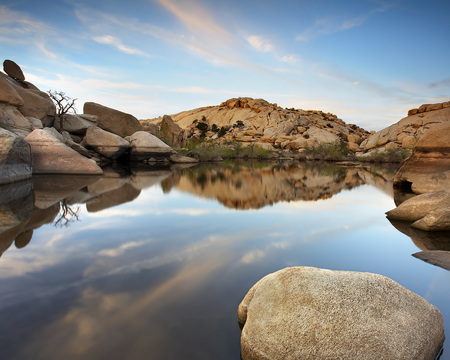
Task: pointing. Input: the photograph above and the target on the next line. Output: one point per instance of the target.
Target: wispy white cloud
(117, 43)
(260, 44)
(120, 250)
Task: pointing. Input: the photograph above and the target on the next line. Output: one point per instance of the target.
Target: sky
(367, 61)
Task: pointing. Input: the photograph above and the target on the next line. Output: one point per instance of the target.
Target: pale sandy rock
(311, 313)
(114, 121)
(13, 70)
(419, 206)
(15, 158)
(51, 156)
(317, 136)
(353, 147)
(145, 146)
(12, 120)
(431, 183)
(408, 141)
(299, 143)
(105, 143)
(171, 132)
(8, 94)
(437, 220)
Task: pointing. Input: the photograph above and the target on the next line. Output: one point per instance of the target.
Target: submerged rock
(310, 313)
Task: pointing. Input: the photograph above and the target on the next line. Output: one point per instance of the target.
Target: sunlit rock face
(254, 188)
(250, 120)
(311, 313)
(431, 155)
(406, 132)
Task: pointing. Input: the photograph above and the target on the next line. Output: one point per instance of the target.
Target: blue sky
(367, 61)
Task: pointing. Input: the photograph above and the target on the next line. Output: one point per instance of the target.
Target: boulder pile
(257, 122)
(36, 136)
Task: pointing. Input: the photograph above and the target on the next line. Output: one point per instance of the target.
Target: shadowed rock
(310, 313)
(15, 158)
(13, 70)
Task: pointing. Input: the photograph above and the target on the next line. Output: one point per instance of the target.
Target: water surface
(153, 265)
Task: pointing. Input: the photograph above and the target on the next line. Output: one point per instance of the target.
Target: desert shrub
(214, 128)
(388, 156)
(203, 127)
(238, 124)
(329, 151)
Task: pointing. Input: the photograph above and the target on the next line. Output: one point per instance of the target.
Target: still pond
(145, 264)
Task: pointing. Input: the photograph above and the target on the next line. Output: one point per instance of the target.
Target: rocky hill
(256, 121)
(406, 132)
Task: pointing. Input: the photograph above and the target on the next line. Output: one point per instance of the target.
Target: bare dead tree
(66, 214)
(64, 104)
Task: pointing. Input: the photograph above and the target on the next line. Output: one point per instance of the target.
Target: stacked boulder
(36, 137)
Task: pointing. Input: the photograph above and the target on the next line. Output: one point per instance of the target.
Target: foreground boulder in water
(51, 156)
(145, 146)
(310, 313)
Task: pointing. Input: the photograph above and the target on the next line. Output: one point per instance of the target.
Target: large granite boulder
(437, 220)
(431, 155)
(11, 119)
(419, 206)
(112, 120)
(74, 123)
(105, 143)
(432, 182)
(310, 313)
(171, 132)
(51, 156)
(15, 158)
(29, 100)
(7, 92)
(13, 70)
(145, 146)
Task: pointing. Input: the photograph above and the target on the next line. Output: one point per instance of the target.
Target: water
(153, 265)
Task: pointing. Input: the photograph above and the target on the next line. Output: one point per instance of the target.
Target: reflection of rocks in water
(379, 176)
(436, 257)
(424, 240)
(23, 232)
(51, 189)
(16, 203)
(252, 187)
(112, 198)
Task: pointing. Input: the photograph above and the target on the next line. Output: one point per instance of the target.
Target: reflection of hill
(254, 188)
